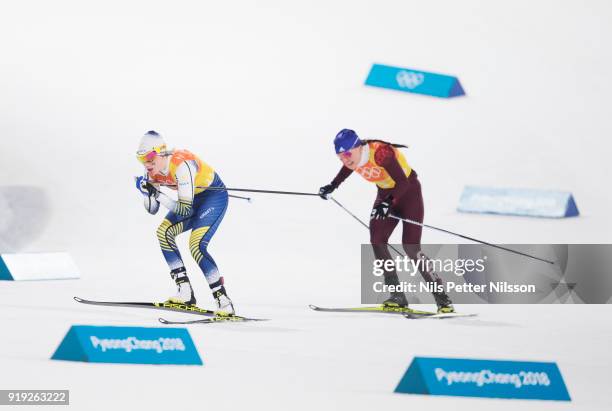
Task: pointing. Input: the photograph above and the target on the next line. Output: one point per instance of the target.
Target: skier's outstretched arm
(342, 175)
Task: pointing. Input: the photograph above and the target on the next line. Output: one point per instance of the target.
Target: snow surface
(259, 89)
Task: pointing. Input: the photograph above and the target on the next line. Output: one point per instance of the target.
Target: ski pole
(360, 221)
(407, 220)
(251, 190)
(249, 199)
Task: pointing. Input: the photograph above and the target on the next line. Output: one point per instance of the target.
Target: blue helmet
(345, 140)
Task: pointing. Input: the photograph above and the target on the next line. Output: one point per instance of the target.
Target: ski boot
(184, 293)
(445, 305)
(396, 300)
(224, 304)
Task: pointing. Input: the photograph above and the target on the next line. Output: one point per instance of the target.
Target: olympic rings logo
(370, 173)
(409, 79)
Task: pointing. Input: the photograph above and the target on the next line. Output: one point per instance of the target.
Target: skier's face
(351, 158)
(155, 165)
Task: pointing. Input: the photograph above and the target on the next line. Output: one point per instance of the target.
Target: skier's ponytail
(364, 142)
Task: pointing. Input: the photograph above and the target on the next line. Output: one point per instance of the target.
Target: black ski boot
(396, 300)
(445, 305)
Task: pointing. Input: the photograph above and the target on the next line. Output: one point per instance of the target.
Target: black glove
(381, 210)
(153, 192)
(325, 191)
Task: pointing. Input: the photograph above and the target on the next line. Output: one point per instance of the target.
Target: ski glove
(381, 210)
(325, 191)
(140, 182)
(146, 188)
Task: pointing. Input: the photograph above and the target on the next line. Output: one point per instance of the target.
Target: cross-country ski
(169, 306)
(382, 309)
(213, 320)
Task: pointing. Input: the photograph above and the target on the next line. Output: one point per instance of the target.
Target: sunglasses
(149, 155)
(348, 153)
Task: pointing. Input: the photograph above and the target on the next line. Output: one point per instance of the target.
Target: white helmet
(151, 142)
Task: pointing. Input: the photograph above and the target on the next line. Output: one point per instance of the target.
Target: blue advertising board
(484, 378)
(517, 201)
(134, 345)
(414, 81)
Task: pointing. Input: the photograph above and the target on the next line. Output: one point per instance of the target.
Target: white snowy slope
(259, 89)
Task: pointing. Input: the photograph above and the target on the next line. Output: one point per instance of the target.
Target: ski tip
(163, 321)
(78, 299)
(313, 307)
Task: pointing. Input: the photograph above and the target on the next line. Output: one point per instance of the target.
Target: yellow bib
(377, 174)
(205, 174)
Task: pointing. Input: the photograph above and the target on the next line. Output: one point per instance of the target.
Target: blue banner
(414, 81)
(520, 202)
(133, 345)
(484, 378)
